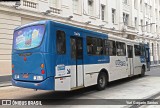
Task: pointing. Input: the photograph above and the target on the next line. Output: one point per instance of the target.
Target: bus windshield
(28, 37)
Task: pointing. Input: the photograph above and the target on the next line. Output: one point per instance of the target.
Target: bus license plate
(25, 76)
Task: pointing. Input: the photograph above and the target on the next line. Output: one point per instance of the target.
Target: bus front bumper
(47, 84)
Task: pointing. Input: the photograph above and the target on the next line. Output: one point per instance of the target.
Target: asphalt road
(129, 88)
(154, 72)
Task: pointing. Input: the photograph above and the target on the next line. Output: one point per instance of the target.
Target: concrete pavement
(5, 78)
(131, 88)
(4, 84)
(5, 81)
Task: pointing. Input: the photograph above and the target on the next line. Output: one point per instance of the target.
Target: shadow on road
(79, 92)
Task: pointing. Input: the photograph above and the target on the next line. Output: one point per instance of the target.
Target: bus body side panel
(118, 66)
(139, 61)
(138, 65)
(62, 66)
(93, 64)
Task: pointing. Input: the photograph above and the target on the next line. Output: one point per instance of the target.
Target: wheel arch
(144, 67)
(106, 72)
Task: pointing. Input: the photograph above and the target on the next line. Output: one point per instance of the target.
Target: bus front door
(130, 60)
(77, 75)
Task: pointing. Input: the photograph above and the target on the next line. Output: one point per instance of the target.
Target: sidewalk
(156, 65)
(4, 84)
(5, 81)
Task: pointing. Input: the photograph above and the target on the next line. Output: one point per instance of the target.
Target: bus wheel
(101, 81)
(142, 71)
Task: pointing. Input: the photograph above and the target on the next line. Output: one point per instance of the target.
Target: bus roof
(64, 25)
(116, 38)
(30, 24)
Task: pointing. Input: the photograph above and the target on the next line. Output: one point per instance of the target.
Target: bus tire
(101, 81)
(142, 71)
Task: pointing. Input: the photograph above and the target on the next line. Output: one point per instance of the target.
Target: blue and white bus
(49, 55)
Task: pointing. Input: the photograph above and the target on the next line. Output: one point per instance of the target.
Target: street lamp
(88, 22)
(70, 17)
(17, 4)
(101, 26)
(47, 12)
(113, 28)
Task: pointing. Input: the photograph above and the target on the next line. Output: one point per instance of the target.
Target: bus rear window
(28, 37)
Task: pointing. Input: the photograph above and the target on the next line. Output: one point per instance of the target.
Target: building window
(146, 9)
(141, 25)
(125, 19)
(75, 6)
(135, 22)
(53, 3)
(135, 4)
(141, 5)
(151, 11)
(61, 42)
(146, 26)
(103, 12)
(156, 12)
(90, 7)
(149, 7)
(113, 16)
(125, 2)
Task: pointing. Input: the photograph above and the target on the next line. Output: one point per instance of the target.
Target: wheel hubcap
(102, 81)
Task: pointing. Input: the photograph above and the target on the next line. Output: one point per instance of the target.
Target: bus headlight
(38, 78)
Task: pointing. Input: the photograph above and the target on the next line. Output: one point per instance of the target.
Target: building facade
(133, 19)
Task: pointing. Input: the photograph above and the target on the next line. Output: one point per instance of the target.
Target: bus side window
(99, 46)
(112, 47)
(142, 51)
(137, 50)
(94, 46)
(89, 45)
(121, 49)
(61, 42)
(105, 47)
(73, 48)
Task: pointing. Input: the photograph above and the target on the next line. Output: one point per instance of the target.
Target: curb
(5, 84)
(155, 65)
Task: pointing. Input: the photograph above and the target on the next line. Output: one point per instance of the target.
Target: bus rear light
(42, 72)
(12, 66)
(42, 66)
(38, 78)
(25, 58)
(16, 76)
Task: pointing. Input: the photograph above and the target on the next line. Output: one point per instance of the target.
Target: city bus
(49, 55)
